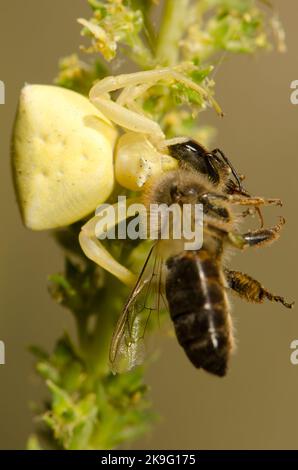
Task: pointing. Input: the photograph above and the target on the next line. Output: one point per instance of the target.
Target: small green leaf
(33, 443)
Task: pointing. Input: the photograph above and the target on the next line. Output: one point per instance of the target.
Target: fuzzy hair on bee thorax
(189, 187)
(180, 186)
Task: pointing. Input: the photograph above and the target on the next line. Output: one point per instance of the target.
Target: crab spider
(66, 152)
(139, 154)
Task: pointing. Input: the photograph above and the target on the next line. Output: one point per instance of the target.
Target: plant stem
(172, 29)
(141, 55)
(150, 34)
(95, 344)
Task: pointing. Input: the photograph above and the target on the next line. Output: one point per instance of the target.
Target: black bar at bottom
(134, 458)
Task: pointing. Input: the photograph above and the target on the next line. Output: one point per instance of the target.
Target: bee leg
(218, 210)
(253, 201)
(217, 225)
(240, 200)
(236, 197)
(255, 238)
(247, 212)
(251, 211)
(250, 289)
(263, 237)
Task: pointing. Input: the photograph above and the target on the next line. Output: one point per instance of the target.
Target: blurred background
(256, 405)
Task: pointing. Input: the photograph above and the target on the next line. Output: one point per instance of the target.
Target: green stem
(146, 7)
(140, 54)
(95, 344)
(82, 332)
(172, 29)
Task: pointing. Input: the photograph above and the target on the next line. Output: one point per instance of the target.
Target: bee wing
(127, 346)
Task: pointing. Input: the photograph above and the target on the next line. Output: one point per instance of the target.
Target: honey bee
(193, 284)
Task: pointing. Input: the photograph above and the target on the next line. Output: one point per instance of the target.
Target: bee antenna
(237, 177)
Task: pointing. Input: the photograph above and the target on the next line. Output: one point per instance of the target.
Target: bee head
(214, 165)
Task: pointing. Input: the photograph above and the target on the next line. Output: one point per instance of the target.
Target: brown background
(256, 406)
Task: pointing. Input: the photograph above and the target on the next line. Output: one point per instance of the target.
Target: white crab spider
(63, 153)
(134, 151)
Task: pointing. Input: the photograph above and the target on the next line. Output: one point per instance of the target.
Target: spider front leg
(94, 249)
(137, 83)
(116, 111)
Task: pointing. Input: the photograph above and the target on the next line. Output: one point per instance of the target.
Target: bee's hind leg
(251, 289)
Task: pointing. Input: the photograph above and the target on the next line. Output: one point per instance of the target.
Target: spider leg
(137, 83)
(95, 250)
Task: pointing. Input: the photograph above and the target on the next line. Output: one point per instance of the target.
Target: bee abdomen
(199, 310)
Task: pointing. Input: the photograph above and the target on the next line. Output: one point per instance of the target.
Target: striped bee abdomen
(199, 310)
